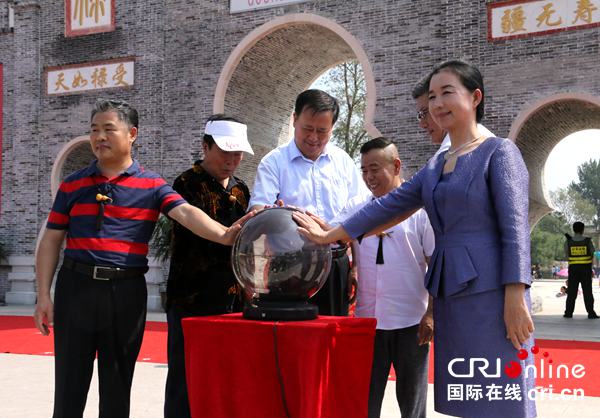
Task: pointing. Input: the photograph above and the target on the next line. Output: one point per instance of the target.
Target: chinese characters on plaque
(511, 19)
(89, 76)
(237, 6)
(83, 17)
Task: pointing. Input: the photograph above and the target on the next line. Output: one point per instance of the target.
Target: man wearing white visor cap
(201, 281)
(229, 135)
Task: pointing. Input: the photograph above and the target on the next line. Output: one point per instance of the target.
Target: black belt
(338, 252)
(104, 272)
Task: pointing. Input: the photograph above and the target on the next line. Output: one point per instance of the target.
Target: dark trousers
(333, 299)
(411, 363)
(579, 273)
(176, 396)
(92, 317)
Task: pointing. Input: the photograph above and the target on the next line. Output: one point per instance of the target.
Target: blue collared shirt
(322, 187)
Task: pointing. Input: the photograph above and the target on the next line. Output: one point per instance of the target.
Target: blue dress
(479, 215)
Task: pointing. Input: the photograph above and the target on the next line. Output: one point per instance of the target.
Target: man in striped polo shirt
(107, 212)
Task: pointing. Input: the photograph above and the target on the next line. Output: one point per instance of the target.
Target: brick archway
(272, 64)
(541, 126)
(72, 156)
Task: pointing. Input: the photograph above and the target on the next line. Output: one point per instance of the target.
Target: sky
(567, 155)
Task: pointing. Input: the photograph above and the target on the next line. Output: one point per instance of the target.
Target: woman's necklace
(450, 153)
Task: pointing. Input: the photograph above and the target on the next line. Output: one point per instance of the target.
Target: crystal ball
(273, 262)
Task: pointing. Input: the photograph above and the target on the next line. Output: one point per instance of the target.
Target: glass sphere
(273, 262)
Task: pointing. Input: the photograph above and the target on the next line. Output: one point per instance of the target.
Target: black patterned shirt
(200, 275)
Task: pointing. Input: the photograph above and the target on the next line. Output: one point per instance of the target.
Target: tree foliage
(573, 206)
(548, 239)
(346, 82)
(580, 201)
(589, 185)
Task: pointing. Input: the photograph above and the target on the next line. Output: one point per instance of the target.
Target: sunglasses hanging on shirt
(102, 199)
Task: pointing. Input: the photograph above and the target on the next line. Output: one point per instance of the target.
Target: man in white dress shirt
(312, 174)
(438, 136)
(391, 274)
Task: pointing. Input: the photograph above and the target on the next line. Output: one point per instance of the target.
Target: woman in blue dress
(476, 195)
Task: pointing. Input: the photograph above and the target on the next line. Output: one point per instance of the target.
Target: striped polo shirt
(138, 196)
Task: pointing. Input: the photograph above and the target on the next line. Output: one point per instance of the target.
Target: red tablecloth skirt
(325, 367)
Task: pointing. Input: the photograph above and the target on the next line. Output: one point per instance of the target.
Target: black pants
(103, 317)
(400, 347)
(176, 396)
(580, 273)
(333, 299)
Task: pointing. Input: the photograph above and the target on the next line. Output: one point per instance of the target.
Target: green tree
(547, 239)
(573, 206)
(589, 185)
(346, 82)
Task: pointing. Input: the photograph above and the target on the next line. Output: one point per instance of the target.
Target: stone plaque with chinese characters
(83, 17)
(522, 18)
(237, 6)
(78, 78)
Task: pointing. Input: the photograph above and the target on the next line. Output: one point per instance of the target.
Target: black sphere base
(280, 311)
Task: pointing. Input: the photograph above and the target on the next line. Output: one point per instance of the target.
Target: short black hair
(380, 142)
(208, 139)
(318, 101)
(421, 88)
(125, 112)
(469, 76)
(578, 227)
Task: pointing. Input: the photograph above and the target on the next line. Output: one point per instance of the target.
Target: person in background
(438, 136)
(391, 270)
(579, 251)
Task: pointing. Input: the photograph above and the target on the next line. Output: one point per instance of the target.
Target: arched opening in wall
(76, 154)
(80, 157)
(571, 176)
(564, 162)
(275, 62)
(539, 132)
(346, 82)
(539, 129)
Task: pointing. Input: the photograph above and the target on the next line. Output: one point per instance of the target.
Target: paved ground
(26, 382)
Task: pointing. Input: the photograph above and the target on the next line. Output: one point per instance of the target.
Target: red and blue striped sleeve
(169, 199)
(59, 215)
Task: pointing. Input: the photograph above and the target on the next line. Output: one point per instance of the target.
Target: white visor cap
(229, 135)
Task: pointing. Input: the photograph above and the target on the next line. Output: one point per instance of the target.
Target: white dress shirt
(322, 186)
(446, 142)
(393, 292)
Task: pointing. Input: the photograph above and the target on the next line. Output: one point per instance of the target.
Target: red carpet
(19, 336)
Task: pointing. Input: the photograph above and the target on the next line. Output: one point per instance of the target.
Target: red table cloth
(325, 367)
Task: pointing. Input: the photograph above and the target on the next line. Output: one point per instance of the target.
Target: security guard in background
(579, 251)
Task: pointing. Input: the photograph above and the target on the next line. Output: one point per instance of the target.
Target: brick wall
(78, 158)
(181, 47)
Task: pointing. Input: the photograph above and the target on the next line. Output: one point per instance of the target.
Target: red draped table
(325, 367)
